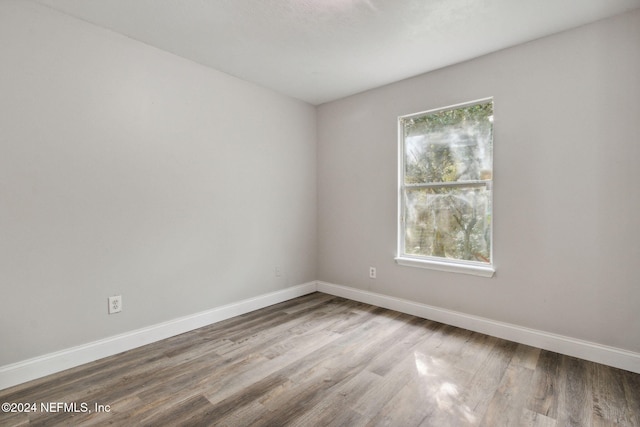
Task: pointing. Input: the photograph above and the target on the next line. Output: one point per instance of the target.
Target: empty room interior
(320, 212)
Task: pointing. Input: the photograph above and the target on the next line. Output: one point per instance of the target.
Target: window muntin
(446, 172)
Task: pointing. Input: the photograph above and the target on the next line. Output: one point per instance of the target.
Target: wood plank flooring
(321, 360)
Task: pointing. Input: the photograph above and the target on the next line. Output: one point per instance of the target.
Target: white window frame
(437, 263)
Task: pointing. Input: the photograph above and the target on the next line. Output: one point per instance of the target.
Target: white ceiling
(321, 50)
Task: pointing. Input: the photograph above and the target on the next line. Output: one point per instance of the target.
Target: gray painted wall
(567, 202)
(127, 170)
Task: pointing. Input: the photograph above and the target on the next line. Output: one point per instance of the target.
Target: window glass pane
(448, 222)
(449, 146)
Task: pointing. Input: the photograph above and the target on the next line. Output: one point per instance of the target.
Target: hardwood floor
(321, 360)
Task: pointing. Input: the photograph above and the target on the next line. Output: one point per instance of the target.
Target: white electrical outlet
(278, 272)
(115, 304)
(372, 272)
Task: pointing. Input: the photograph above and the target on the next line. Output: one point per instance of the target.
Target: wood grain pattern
(321, 360)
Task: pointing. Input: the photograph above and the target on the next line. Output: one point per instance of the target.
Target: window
(445, 197)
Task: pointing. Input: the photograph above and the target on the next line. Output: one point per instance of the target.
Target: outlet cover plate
(115, 304)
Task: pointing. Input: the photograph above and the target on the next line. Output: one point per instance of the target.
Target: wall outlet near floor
(277, 271)
(115, 304)
(372, 272)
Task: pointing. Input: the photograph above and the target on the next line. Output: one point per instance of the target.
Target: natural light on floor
(437, 387)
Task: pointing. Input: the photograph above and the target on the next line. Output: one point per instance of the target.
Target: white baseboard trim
(594, 352)
(27, 370)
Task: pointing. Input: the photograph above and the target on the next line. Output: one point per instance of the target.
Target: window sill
(473, 269)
